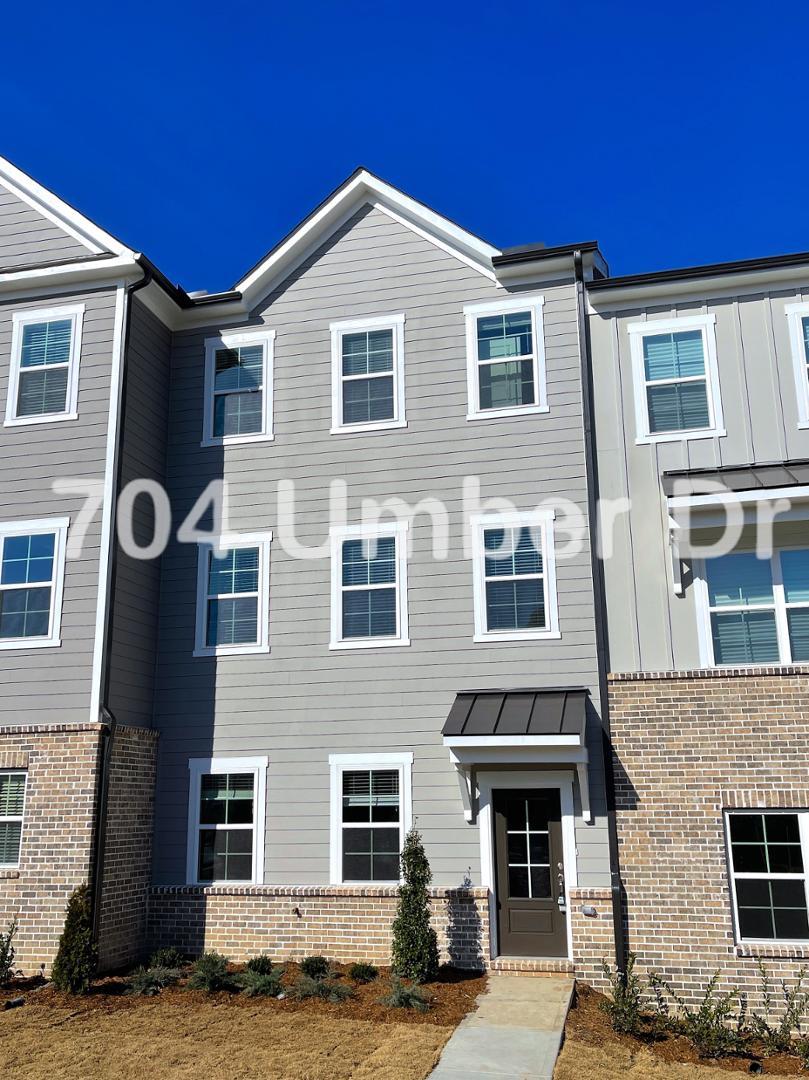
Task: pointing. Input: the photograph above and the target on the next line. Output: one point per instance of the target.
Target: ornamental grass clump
(210, 973)
(261, 965)
(260, 983)
(415, 946)
(306, 987)
(168, 957)
(147, 982)
(363, 973)
(402, 996)
(77, 956)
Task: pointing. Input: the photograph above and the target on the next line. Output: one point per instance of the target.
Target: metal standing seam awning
(525, 726)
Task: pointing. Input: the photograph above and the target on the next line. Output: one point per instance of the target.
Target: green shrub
(260, 983)
(402, 996)
(802, 1050)
(415, 947)
(7, 953)
(777, 1036)
(316, 967)
(363, 973)
(261, 965)
(151, 980)
(77, 956)
(210, 973)
(326, 989)
(717, 1026)
(167, 958)
(625, 1004)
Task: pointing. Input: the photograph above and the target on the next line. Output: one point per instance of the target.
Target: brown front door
(531, 921)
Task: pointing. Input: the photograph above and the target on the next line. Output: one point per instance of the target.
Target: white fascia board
(458, 742)
(730, 498)
(709, 288)
(51, 278)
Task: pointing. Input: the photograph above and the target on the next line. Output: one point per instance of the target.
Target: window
(676, 378)
(767, 862)
(43, 381)
(514, 576)
(367, 357)
(505, 358)
(32, 567)
(233, 595)
(369, 586)
(371, 811)
(798, 316)
(238, 388)
(226, 812)
(756, 611)
(12, 806)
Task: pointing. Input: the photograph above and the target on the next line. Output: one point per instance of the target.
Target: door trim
(536, 778)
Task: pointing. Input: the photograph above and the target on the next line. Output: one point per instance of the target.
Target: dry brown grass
(612, 1061)
(153, 1038)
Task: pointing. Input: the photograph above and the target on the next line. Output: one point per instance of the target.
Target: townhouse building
(225, 705)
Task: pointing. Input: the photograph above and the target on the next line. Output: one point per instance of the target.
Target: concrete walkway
(516, 1031)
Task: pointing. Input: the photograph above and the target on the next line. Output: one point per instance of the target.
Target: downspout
(599, 598)
(106, 715)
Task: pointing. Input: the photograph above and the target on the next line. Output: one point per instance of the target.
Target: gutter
(107, 717)
(599, 599)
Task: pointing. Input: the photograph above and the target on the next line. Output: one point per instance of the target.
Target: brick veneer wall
(342, 922)
(686, 746)
(593, 934)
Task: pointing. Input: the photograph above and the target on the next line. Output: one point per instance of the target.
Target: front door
(530, 883)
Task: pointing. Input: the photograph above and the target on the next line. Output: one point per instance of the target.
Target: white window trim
(534, 519)
(779, 605)
(795, 314)
(261, 540)
(637, 332)
(340, 763)
(42, 526)
(394, 323)
(16, 817)
(337, 535)
(263, 337)
(803, 825)
(21, 319)
(472, 312)
(199, 767)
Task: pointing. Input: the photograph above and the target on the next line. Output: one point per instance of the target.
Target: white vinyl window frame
(795, 314)
(337, 535)
(16, 817)
(394, 323)
(533, 519)
(779, 606)
(230, 542)
(217, 766)
(41, 527)
(264, 337)
(21, 319)
(706, 324)
(340, 763)
(472, 312)
(803, 825)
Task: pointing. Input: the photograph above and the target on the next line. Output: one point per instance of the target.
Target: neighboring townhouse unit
(702, 424)
(317, 676)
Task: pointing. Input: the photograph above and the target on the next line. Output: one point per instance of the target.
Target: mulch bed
(452, 996)
(588, 1023)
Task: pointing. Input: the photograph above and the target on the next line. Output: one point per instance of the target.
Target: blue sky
(201, 133)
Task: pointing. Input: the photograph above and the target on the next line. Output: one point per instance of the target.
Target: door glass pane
(518, 881)
(541, 882)
(528, 845)
(737, 579)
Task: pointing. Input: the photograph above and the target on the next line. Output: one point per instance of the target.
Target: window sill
(52, 418)
(497, 414)
(681, 436)
(246, 650)
(351, 429)
(519, 635)
(238, 440)
(32, 643)
(775, 950)
(368, 643)
(9, 873)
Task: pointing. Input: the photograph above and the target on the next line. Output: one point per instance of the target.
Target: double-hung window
(226, 814)
(798, 316)
(367, 357)
(32, 566)
(44, 373)
(768, 859)
(676, 378)
(233, 595)
(514, 576)
(238, 388)
(505, 358)
(369, 586)
(370, 814)
(755, 611)
(12, 808)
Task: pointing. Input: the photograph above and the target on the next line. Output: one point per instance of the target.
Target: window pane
(507, 385)
(46, 343)
(370, 854)
(515, 605)
(745, 637)
(42, 391)
(10, 832)
(518, 881)
(505, 335)
(239, 369)
(795, 572)
(27, 559)
(517, 847)
(236, 571)
(233, 621)
(25, 613)
(740, 578)
(225, 855)
(356, 796)
(512, 552)
(368, 400)
(12, 794)
(369, 614)
(238, 414)
(369, 562)
(540, 882)
(385, 867)
(226, 799)
(678, 407)
(748, 828)
(673, 356)
(385, 796)
(367, 352)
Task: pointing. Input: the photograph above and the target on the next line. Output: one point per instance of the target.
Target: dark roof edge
(178, 293)
(101, 256)
(533, 252)
(529, 690)
(784, 464)
(686, 273)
